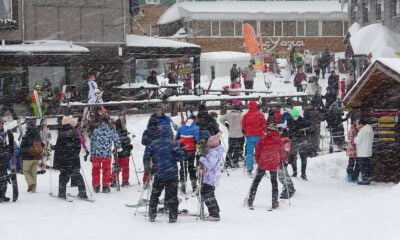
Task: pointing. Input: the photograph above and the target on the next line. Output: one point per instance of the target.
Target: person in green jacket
(298, 59)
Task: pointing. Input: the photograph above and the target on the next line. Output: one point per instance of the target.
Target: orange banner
(253, 47)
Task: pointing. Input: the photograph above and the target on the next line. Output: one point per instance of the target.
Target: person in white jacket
(364, 141)
(92, 86)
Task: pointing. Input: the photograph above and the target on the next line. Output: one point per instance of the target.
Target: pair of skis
(70, 197)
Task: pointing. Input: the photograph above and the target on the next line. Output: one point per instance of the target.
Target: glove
(120, 149)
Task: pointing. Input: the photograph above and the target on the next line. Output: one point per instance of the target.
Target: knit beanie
(213, 141)
(295, 112)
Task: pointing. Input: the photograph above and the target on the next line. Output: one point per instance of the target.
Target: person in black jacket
(206, 122)
(165, 155)
(6, 152)
(66, 158)
(152, 79)
(150, 134)
(124, 155)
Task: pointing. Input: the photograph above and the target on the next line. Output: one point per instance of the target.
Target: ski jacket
(333, 81)
(188, 136)
(67, 149)
(364, 141)
(300, 77)
(234, 119)
(92, 86)
(298, 59)
(313, 118)
(125, 143)
(150, 134)
(207, 123)
(351, 150)
(254, 123)
(234, 73)
(162, 120)
(297, 130)
(6, 143)
(152, 80)
(251, 74)
(30, 136)
(102, 141)
(270, 152)
(277, 115)
(164, 154)
(212, 163)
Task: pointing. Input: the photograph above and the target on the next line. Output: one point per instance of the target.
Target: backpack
(36, 150)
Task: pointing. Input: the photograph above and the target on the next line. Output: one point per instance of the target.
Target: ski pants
(30, 172)
(297, 148)
(286, 181)
(248, 85)
(188, 165)
(7, 106)
(171, 201)
(3, 179)
(251, 142)
(123, 163)
(364, 164)
(274, 182)
(314, 136)
(103, 164)
(353, 169)
(235, 151)
(65, 175)
(208, 197)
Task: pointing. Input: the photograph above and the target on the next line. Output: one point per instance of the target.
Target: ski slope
(326, 207)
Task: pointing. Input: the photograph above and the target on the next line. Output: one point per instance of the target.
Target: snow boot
(31, 187)
(62, 195)
(249, 203)
(82, 195)
(304, 177)
(96, 189)
(250, 173)
(212, 218)
(275, 204)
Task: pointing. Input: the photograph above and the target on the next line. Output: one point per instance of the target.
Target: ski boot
(275, 204)
(82, 195)
(106, 189)
(96, 189)
(125, 184)
(304, 177)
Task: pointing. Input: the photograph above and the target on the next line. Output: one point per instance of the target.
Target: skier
(288, 71)
(164, 154)
(149, 135)
(31, 153)
(206, 122)
(188, 137)
(6, 151)
(333, 81)
(8, 98)
(335, 123)
(351, 151)
(253, 125)
(233, 121)
(234, 73)
(298, 136)
(313, 118)
(124, 155)
(212, 167)
(299, 78)
(364, 141)
(92, 85)
(270, 156)
(249, 81)
(66, 158)
(97, 98)
(162, 119)
(101, 144)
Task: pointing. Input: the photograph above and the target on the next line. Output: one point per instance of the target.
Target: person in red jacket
(253, 125)
(270, 156)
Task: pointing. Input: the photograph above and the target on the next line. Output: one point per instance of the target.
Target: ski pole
(148, 195)
(140, 197)
(134, 167)
(200, 207)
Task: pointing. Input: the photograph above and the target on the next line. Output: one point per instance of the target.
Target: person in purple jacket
(211, 173)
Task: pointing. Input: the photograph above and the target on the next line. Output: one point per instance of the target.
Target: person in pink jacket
(351, 152)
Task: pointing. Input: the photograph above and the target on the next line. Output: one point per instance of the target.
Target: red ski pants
(124, 165)
(103, 164)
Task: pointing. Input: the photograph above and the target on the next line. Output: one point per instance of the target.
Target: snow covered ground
(325, 207)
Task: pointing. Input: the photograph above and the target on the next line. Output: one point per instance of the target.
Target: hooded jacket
(165, 155)
(102, 140)
(364, 141)
(270, 152)
(254, 123)
(188, 135)
(234, 119)
(212, 163)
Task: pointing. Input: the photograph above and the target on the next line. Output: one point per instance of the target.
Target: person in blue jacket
(162, 119)
(164, 154)
(150, 134)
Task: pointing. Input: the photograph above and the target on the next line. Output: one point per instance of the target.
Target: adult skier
(67, 159)
(149, 135)
(254, 125)
(92, 86)
(206, 122)
(162, 119)
(164, 154)
(6, 152)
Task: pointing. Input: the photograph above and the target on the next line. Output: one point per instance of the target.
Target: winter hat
(91, 77)
(295, 112)
(213, 141)
(68, 120)
(253, 105)
(213, 114)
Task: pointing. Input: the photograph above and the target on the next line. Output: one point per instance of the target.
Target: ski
(83, 199)
(64, 199)
(141, 203)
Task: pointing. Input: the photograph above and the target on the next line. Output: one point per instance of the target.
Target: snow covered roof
(144, 41)
(247, 10)
(43, 46)
(377, 40)
(354, 28)
(225, 56)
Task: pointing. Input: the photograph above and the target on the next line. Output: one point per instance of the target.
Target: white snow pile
(242, 9)
(44, 46)
(377, 40)
(144, 41)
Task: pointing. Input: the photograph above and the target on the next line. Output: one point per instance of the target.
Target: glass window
(365, 11)
(312, 28)
(5, 9)
(203, 28)
(253, 24)
(278, 28)
(215, 28)
(379, 8)
(332, 28)
(227, 28)
(238, 28)
(289, 28)
(56, 75)
(267, 28)
(300, 28)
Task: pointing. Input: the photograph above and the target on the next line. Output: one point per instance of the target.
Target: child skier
(212, 168)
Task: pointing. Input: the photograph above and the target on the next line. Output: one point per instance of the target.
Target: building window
(395, 8)
(289, 28)
(8, 14)
(267, 28)
(300, 28)
(278, 28)
(203, 28)
(379, 8)
(227, 28)
(332, 28)
(152, 1)
(238, 28)
(312, 28)
(253, 24)
(365, 11)
(215, 28)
